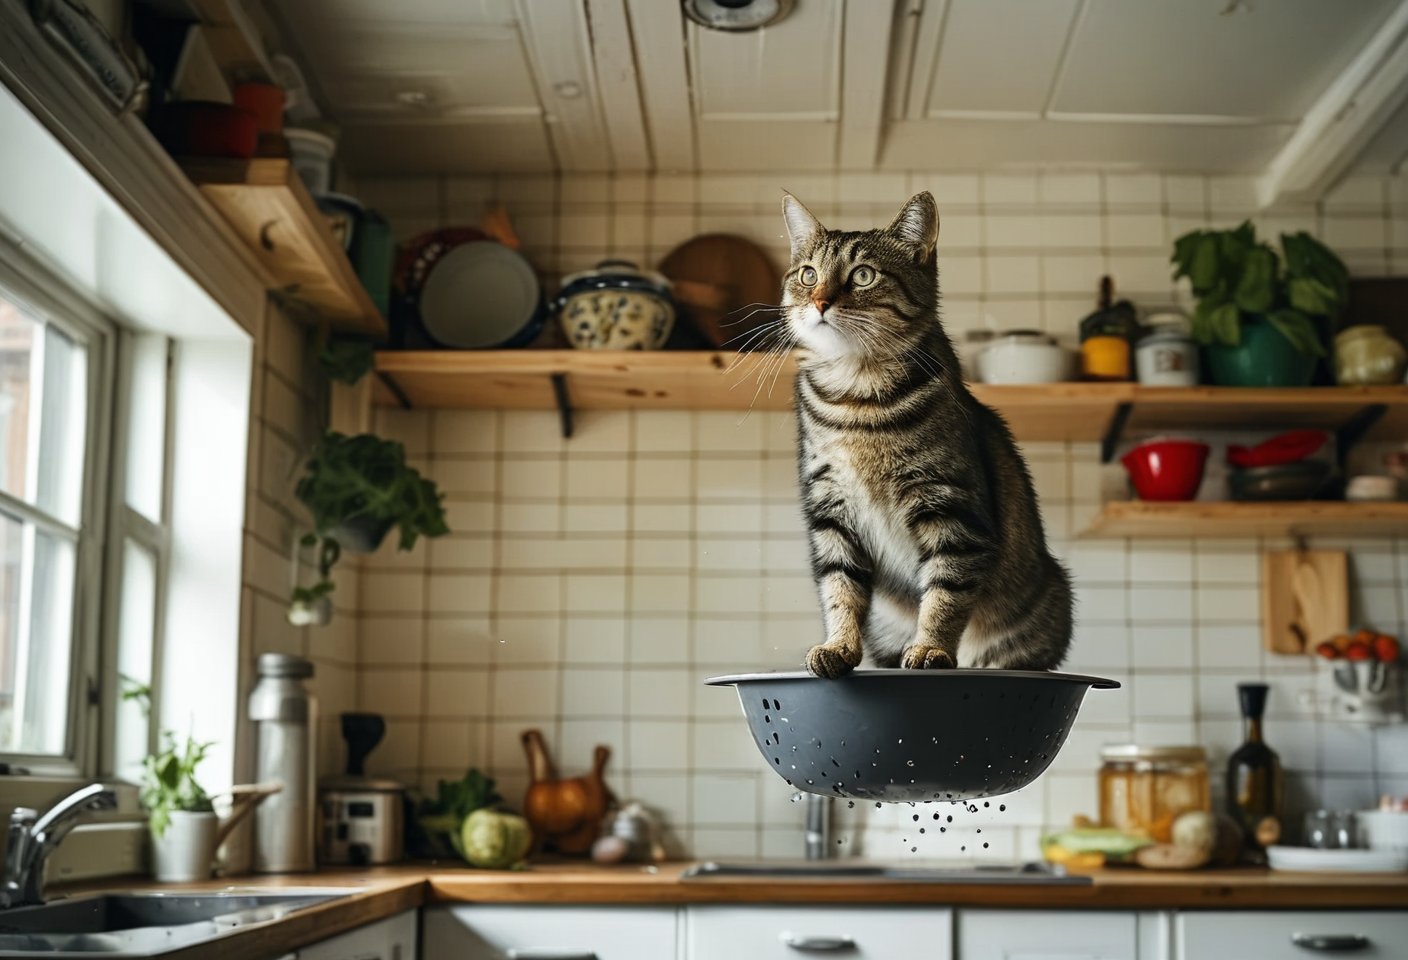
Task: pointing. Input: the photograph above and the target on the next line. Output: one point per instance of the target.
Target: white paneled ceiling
(461, 86)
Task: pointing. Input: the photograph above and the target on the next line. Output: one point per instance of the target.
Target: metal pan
(911, 735)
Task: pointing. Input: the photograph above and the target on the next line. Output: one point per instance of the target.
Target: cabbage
(494, 841)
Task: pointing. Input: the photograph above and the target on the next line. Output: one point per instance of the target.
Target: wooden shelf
(706, 380)
(1140, 518)
(272, 211)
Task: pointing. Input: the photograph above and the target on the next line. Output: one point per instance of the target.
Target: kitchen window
(55, 382)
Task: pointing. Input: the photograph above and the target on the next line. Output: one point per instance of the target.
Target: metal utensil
(911, 735)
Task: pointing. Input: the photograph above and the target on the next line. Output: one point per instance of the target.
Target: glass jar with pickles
(1144, 789)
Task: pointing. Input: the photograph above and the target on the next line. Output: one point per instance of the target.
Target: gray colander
(911, 735)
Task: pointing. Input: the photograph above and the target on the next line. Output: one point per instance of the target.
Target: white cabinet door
(1298, 935)
(810, 933)
(390, 939)
(1046, 935)
(549, 933)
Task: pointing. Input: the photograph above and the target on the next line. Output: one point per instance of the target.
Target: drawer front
(811, 933)
(1046, 935)
(1293, 935)
(548, 933)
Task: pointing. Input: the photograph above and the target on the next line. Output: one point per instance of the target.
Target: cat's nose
(821, 304)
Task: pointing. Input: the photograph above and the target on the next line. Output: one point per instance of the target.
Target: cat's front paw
(828, 662)
(922, 657)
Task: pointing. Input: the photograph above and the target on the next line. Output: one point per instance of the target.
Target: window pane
(136, 629)
(17, 334)
(146, 426)
(43, 413)
(36, 616)
(62, 424)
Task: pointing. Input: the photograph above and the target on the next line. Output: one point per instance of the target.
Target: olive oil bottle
(1255, 786)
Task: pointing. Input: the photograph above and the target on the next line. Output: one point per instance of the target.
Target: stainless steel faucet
(817, 826)
(33, 837)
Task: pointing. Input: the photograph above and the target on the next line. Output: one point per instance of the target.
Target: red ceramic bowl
(1167, 469)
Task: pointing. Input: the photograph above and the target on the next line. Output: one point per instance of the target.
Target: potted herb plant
(1259, 315)
(357, 489)
(180, 815)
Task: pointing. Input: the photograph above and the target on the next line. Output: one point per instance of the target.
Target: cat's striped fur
(926, 541)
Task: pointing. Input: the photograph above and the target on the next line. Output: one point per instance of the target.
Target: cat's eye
(808, 277)
(863, 276)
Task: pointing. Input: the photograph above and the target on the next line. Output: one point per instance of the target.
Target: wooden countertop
(381, 892)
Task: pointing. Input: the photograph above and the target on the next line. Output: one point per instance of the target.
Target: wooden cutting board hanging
(717, 279)
(1304, 598)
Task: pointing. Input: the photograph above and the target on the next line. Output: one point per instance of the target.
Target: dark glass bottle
(1255, 788)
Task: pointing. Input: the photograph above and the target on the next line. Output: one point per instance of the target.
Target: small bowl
(1024, 356)
(1300, 480)
(1167, 469)
(616, 307)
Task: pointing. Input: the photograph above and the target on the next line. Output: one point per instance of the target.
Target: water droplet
(1001, 807)
(909, 763)
(913, 849)
(985, 846)
(916, 818)
(850, 804)
(986, 804)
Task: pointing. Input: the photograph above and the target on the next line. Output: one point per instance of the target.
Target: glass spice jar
(1144, 789)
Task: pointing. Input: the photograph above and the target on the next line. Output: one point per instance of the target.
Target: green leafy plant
(438, 820)
(1237, 278)
(363, 480)
(169, 782)
(346, 359)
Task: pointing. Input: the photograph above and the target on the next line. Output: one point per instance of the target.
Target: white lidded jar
(285, 715)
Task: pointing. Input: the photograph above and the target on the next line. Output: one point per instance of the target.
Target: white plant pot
(186, 851)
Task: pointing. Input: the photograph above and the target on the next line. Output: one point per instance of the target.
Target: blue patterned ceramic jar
(616, 306)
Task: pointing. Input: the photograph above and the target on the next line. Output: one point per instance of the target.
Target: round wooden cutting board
(717, 275)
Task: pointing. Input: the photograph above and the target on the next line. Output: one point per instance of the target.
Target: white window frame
(46, 295)
(127, 523)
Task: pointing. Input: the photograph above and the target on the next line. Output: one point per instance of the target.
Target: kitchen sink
(881, 872)
(143, 924)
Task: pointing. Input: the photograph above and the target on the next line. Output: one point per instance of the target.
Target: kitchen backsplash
(591, 584)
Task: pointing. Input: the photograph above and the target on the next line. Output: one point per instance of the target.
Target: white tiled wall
(590, 585)
(284, 427)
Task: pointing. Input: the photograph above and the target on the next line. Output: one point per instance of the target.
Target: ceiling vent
(736, 16)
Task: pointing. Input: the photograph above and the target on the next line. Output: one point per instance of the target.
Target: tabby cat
(926, 540)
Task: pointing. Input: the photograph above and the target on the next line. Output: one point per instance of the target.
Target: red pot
(1167, 469)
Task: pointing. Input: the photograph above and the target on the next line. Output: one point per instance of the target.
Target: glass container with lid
(1145, 789)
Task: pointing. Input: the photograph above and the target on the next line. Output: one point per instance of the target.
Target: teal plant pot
(1264, 358)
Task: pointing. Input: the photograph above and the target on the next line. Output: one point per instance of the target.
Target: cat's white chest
(879, 522)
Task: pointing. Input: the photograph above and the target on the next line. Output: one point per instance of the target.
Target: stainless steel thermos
(286, 717)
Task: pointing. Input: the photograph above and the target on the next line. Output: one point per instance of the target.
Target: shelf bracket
(394, 389)
(1355, 427)
(564, 403)
(1114, 431)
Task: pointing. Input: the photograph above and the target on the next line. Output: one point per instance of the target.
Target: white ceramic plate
(480, 295)
(1337, 861)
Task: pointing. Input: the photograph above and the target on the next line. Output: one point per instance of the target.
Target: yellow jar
(1105, 358)
(1144, 789)
(1368, 355)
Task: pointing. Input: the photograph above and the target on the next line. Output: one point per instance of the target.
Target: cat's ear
(918, 224)
(801, 225)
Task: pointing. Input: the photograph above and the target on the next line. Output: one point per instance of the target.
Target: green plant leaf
(1308, 258)
(1312, 296)
(1256, 287)
(1299, 329)
(1226, 324)
(169, 782)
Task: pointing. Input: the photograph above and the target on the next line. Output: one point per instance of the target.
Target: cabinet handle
(531, 953)
(799, 941)
(1331, 942)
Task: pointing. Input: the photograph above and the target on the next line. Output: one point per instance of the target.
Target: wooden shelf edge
(271, 210)
(1230, 519)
